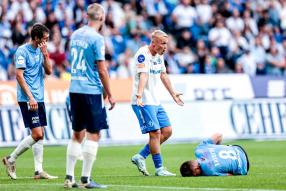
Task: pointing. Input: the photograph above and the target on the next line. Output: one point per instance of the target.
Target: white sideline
(133, 175)
(152, 187)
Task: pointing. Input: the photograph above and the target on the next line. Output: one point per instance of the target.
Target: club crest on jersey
(141, 58)
(159, 61)
(203, 159)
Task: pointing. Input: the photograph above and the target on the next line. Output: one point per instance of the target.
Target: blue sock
(145, 151)
(157, 160)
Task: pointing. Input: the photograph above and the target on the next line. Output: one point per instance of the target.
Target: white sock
(89, 153)
(159, 168)
(72, 154)
(25, 144)
(82, 144)
(38, 150)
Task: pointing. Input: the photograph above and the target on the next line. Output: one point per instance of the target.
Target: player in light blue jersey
(88, 71)
(30, 58)
(214, 159)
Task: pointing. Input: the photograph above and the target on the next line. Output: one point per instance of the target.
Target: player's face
(45, 38)
(197, 171)
(160, 45)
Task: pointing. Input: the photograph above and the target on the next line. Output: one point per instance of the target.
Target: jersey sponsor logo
(20, 60)
(155, 71)
(141, 58)
(37, 58)
(214, 157)
(142, 65)
(155, 63)
(143, 127)
(103, 50)
(83, 31)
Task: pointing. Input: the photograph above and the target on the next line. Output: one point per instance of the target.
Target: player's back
(218, 160)
(86, 47)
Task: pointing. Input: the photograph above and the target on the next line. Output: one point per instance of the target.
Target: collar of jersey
(30, 48)
(89, 28)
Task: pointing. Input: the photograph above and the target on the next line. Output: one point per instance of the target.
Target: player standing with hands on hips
(29, 59)
(149, 68)
(88, 71)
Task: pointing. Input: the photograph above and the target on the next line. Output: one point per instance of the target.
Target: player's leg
(96, 120)
(38, 147)
(31, 120)
(166, 132)
(73, 149)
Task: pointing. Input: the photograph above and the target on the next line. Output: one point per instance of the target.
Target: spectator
(18, 36)
(259, 54)
(185, 58)
(58, 56)
(204, 11)
(238, 69)
(11, 70)
(184, 14)
(220, 37)
(237, 44)
(209, 67)
(248, 62)
(116, 11)
(275, 63)
(3, 74)
(221, 68)
(63, 73)
(250, 22)
(184, 40)
(235, 23)
(125, 61)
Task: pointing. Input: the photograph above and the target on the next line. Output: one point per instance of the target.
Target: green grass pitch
(113, 167)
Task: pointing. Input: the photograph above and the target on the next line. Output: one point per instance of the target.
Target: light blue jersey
(86, 47)
(218, 160)
(31, 60)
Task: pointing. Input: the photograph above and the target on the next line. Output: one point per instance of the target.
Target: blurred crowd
(205, 36)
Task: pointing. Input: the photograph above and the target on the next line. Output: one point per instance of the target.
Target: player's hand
(111, 101)
(43, 47)
(177, 99)
(33, 104)
(139, 100)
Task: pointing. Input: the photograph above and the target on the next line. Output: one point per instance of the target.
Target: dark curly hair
(39, 30)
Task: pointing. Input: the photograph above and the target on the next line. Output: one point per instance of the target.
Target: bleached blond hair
(158, 34)
(94, 11)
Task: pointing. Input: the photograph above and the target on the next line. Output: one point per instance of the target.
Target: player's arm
(216, 138)
(167, 83)
(22, 82)
(228, 174)
(105, 81)
(141, 86)
(47, 64)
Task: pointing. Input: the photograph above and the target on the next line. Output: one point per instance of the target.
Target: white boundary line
(152, 187)
(99, 176)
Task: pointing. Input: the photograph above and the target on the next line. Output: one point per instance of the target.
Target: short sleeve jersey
(31, 60)
(86, 47)
(218, 160)
(153, 65)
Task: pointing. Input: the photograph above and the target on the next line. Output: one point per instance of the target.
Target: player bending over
(87, 50)
(214, 159)
(29, 59)
(149, 69)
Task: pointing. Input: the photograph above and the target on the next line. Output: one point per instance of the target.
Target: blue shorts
(33, 119)
(151, 117)
(88, 112)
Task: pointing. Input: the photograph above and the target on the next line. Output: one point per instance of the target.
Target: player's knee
(155, 134)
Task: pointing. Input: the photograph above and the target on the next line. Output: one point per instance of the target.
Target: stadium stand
(205, 36)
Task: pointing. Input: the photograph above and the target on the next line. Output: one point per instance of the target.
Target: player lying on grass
(214, 159)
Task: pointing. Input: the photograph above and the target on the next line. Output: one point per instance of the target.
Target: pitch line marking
(151, 187)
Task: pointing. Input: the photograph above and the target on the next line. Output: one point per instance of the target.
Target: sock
(38, 150)
(89, 153)
(25, 144)
(82, 144)
(72, 154)
(145, 151)
(157, 160)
